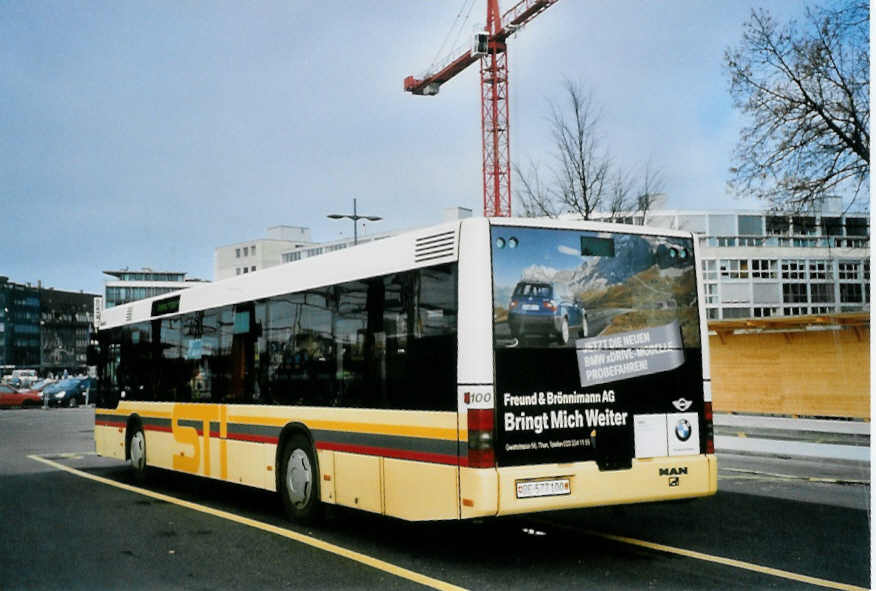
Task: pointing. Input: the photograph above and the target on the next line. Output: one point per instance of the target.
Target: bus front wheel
(298, 480)
(137, 447)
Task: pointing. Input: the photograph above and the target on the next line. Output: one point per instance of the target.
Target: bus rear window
(553, 288)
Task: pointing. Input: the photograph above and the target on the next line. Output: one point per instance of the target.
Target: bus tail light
(710, 429)
(480, 438)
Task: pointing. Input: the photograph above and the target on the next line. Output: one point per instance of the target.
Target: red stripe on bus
(110, 423)
(253, 438)
(158, 428)
(400, 454)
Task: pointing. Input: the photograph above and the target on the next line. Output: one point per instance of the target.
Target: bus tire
(298, 480)
(137, 453)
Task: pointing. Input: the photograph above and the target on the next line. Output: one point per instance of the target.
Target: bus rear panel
(599, 393)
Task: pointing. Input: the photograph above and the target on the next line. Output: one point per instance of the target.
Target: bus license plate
(542, 488)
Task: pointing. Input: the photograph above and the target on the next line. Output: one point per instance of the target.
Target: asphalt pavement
(776, 522)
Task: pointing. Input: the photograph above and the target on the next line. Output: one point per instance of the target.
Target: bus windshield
(591, 330)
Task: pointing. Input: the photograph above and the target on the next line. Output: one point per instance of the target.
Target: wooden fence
(798, 366)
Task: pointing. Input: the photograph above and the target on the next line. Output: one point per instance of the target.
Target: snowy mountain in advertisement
(632, 255)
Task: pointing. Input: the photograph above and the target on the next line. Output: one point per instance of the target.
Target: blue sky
(148, 133)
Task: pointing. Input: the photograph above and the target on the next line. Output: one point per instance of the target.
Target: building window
(734, 268)
(822, 292)
(832, 226)
(237, 252)
(777, 226)
(793, 269)
(737, 313)
(851, 293)
(820, 270)
(711, 293)
(246, 251)
(246, 269)
(850, 271)
(821, 309)
(713, 313)
(238, 270)
(795, 311)
(856, 226)
(709, 270)
(252, 268)
(804, 226)
(750, 225)
(764, 268)
(252, 249)
(765, 312)
(793, 293)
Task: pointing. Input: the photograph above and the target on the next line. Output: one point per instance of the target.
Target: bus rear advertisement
(479, 368)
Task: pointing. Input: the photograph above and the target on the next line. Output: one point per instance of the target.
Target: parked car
(12, 398)
(69, 392)
(21, 378)
(541, 309)
(35, 391)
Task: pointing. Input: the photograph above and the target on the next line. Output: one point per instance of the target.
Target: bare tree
(651, 186)
(580, 175)
(582, 164)
(532, 195)
(806, 92)
(620, 193)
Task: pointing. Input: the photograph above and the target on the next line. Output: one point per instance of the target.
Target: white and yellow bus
(478, 368)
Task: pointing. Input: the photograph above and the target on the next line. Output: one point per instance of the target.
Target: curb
(818, 479)
(792, 448)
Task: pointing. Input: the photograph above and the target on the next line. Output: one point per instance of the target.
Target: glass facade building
(44, 329)
(128, 286)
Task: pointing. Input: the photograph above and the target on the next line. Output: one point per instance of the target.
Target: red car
(10, 397)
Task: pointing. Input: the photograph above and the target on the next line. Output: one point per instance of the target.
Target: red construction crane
(489, 46)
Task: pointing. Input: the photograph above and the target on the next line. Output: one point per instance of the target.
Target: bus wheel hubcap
(298, 477)
(138, 451)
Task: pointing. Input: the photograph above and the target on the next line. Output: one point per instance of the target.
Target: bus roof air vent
(435, 246)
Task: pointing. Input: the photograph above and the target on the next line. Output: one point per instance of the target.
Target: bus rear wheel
(298, 480)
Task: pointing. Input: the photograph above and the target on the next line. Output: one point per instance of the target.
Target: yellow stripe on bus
(450, 434)
(354, 427)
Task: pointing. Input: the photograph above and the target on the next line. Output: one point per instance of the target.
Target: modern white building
(759, 264)
(261, 253)
(131, 285)
(305, 251)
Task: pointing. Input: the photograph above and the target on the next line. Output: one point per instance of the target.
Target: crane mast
(490, 48)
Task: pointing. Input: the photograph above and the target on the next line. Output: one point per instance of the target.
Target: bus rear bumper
(581, 484)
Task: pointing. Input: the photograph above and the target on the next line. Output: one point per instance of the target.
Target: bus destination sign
(165, 306)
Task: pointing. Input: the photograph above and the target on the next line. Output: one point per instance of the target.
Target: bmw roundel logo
(683, 430)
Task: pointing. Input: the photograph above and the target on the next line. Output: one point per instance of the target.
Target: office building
(44, 329)
(249, 256)
(128, 286)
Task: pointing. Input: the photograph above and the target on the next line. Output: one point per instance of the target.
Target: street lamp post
(355, 217)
